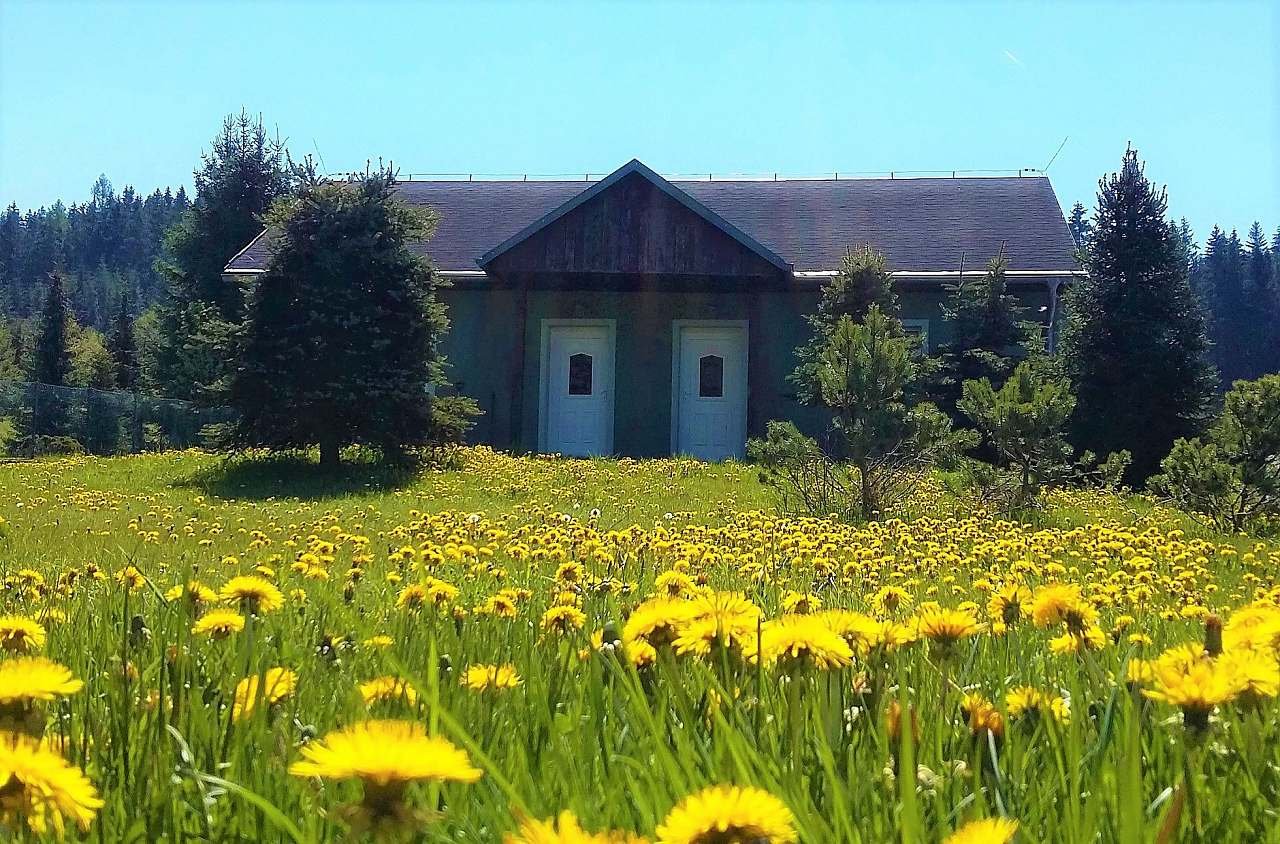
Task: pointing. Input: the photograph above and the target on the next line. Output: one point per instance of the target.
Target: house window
(919, 330)
(711, 377)
(580, 375)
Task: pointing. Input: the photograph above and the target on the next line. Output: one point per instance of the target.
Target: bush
(1232, 476)
(43, 445)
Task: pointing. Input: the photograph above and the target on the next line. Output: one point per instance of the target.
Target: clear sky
(136, 90)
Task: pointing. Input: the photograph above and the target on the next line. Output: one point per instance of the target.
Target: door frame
(677, 338)
(544, 367)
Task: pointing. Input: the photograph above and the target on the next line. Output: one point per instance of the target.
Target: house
(640, 316)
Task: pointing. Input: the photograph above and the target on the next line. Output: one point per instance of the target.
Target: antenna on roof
(1045, 169)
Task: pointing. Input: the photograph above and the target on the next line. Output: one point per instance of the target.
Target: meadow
(539, 650)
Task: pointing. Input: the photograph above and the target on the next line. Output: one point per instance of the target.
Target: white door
(711, 390)
(578, 390)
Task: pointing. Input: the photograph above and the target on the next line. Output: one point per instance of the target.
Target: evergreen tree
(236, 183)
(863, 281)
(1261, 312)
(51, 358)
(1134, 343)
(1080, 226)
(352, 366)
(123, 349)
(988, 332)
(1224, 292)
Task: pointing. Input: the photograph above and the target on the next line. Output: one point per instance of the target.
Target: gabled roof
(666, 187)
(922, 225)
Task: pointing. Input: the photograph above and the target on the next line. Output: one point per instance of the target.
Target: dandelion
(386, 757)
(1031, 704)
(728, 815)
(946, 627)
(483, 678)
(218, 624)
(195, 593)
(1195, 686)
(803, 641)
(562, 619)
(276, 686)
(656, 622)
(41, 789)
(254, 595)
(34, 678)
(1062, 604)
(722, 619)
(565, 829)
(21, 635)
(986, 831)
(383, 689)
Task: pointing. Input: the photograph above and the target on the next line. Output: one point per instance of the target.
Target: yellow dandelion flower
(253, 594)
(218, 624)
(194, 592)
(723, 814)
(21, 635)
(1060, 603)
(381, 689)
(796, 641)
(1008, 604)
(656, 622)
(379, 642)
(277, 685)
(41, 789)
(946, 627)
(725, 619)
(1196, 687)
(35, 678)
(565, 830)
(481, 678)
(986, 831)
(385, 753)
(562, 619)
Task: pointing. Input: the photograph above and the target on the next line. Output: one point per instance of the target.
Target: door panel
(579, 390)
(711, 391)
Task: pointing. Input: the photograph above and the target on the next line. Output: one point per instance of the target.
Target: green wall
(484, 349)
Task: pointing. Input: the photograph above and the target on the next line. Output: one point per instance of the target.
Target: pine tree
(51, 358)
(123, 349)
(862, 281)
(1080, 226)
(1259, 328)
(353, 366)
(1134, 344)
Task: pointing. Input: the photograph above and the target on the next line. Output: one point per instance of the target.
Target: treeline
(105, 249)
(1237, 284)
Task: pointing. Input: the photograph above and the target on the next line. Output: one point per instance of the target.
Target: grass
(589, 731)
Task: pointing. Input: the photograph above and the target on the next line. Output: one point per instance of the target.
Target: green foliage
(236, 183)
(92, 364)
(51, 358)
(862, 282)
(1232, 475)
(989, 332)
(1024, 422)
(340, 344)
(863, 372)
(123, 347)
(1134, 344)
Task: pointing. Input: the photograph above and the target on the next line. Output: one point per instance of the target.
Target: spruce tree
(236, 183)
(1080, 226)
(989, 332)
(352, 364)
(51, 357)
(123, 349)
(1134, 343)
(863, 281)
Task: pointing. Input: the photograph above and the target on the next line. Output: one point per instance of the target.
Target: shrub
(44, 445)
(1232, 476)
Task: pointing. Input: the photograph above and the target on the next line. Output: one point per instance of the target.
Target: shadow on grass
(258, 476)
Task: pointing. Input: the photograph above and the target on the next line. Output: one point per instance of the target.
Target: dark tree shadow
(297, 475)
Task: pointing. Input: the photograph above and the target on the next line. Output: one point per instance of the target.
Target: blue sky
(137, 90)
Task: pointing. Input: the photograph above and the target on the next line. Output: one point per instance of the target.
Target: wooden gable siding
(633, 228)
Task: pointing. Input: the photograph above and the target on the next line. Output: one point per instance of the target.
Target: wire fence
(44, 418)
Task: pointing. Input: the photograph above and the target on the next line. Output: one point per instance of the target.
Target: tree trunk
(329, 452)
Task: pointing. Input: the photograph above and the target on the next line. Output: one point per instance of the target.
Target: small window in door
(711, 377)
(580, 375)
